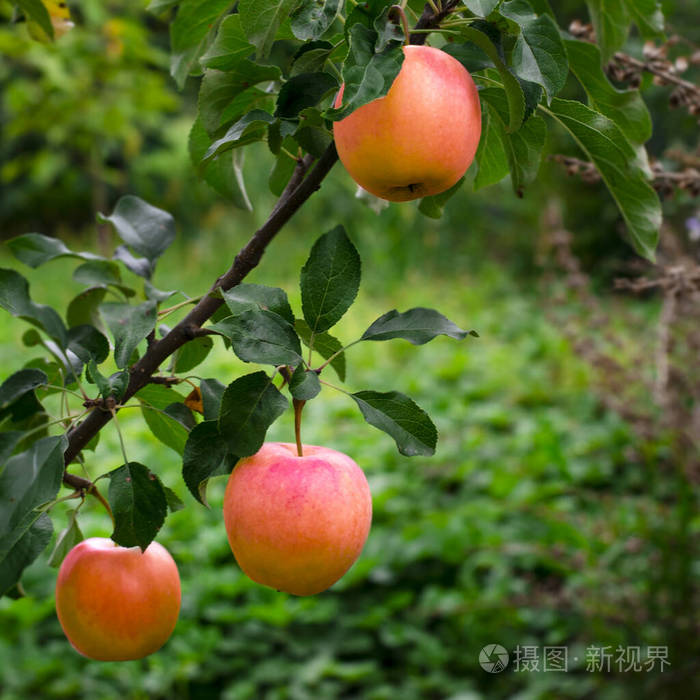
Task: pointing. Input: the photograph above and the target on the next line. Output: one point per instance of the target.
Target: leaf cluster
(213, 425)
(271, 69)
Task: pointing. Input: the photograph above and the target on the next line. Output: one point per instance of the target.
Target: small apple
(117, 603)
(294, 523)
(421, 137)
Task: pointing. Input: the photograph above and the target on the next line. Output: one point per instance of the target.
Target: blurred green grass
(535, 522)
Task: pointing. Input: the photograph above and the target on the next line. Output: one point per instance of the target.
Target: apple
(117, 603)
(421, 137)
(297, 524)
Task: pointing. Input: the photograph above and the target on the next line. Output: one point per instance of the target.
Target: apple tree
(269, 71)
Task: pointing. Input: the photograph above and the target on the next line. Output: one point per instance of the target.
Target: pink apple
(294, 523)
(117, 603)
(421, 137)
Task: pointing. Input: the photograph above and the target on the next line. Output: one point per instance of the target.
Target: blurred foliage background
(548, 515)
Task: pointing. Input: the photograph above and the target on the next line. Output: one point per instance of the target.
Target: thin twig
(664, 181)
(431, 19)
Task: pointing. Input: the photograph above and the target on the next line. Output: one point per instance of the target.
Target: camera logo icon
(493, 658)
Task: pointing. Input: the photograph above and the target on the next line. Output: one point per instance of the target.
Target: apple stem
(119, 433)
(298, 408)
(93, 491)
(398, 9)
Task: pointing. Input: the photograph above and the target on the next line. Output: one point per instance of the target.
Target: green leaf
(20, 383)
(330, 280)
(247, 129)
(611, 24)
(115, 385)
(302, 91)
(191, 32)
(366, 13)
(249, 406)
(261, 19)
(138, 504)
(481, 8)
(28, 480)
(304, 384)
(625, 107)
(96, 273)
(539, 55)
(469, 55)
(31, 338)
(32, 543)
(533, 95)
(311, 57)
(313, 139)
(66, 540)
(23, 411)
(511, 86)
(418, 326)
(158, 295)
(261, 336)
(166, 428)
(84, 309)
(617, 162)
(230, 46)
(400, 417)
(647, 15)
(313, 17)
(368, 72)
(490, 155)
(35, 249)
(222, 174)
(243, 297)
(159, 396)
(35, 11)
(206, 455)
(212, 390)
(523, 148)
(516, 13)
(542, 7)
(129, 326)
(192, 354)
(9, 439)
(183, 414)
(174, 501)
(434, 205)
(325, 345)
(15, 299)
(88, 343)
(225, 97)
(281, 172)
(147, 229)
(139, 266)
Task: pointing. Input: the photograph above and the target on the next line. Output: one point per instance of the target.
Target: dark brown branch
(77, 482)
(299, 189)
(429, 20)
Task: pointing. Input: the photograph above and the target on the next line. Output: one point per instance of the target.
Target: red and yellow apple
(421, 137)
(117, 603)
(297, 524)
